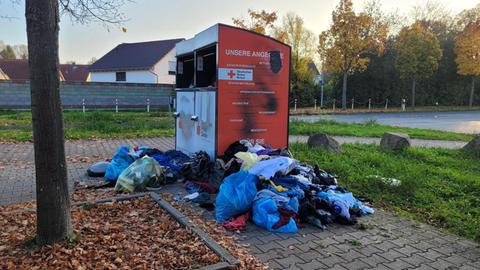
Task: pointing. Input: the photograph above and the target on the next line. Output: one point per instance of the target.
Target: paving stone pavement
(385, 242)
(17, 173)
(17, 170)
(382, 241)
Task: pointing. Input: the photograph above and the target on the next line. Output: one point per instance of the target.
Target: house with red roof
(17, 70)
(74, 72)
(14, 69)
(142, 62)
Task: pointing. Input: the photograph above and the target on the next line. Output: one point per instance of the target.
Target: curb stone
(207, 239)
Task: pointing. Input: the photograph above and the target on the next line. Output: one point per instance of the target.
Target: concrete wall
(97, 95)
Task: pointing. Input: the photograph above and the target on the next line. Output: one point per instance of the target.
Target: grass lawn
(371, 129)
(16, 126)
(438, 186)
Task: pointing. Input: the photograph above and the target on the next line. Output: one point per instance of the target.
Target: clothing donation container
(232, 84)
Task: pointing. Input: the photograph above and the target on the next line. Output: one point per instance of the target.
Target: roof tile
(134, 56)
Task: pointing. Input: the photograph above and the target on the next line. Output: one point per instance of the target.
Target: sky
(161, 19)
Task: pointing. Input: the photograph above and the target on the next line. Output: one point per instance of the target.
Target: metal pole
(369, 104)
(315, 106)
(169, 105)
(321, 98)
(333, 104)
(83, 105)
(295, 108)
(148, 105)
(386, 104)
(116, 105)
(353, 102)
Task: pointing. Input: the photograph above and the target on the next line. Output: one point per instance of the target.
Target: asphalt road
(463, 122)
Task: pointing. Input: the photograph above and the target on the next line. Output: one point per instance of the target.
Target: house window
(171, 67)
(121, 76)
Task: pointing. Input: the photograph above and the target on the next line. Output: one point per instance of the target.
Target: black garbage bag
(202, 169)
(198, 168)
(232, 150)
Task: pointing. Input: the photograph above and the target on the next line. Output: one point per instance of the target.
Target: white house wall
(140, 76)
(162, 67)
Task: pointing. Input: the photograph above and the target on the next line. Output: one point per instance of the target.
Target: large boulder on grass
(395, 141)
(324, 141)
(473, 146)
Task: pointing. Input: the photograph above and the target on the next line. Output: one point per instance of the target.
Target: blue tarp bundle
(266, 215)
(266, 210)
(236, 195)
(120, 161)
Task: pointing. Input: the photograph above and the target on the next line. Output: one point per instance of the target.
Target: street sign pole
(321, 93)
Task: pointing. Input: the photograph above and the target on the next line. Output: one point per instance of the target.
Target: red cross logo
(231, 74)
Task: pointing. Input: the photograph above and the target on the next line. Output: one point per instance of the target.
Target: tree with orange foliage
(292, 31)
(418, 53)
(467, 49)
(350, 42)
(259, 22)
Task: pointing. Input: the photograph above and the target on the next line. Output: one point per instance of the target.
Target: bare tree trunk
(472, 92)
(53, 203)
(414, 84)
(344, 91)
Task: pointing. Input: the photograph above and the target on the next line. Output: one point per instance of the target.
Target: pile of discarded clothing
(140, 168)
(269, 187)
(249, 182)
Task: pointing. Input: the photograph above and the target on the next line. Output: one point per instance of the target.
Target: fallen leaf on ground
(108, 238)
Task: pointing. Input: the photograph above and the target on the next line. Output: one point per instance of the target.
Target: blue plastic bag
(120, 161)
(265, 214)
(236, 195)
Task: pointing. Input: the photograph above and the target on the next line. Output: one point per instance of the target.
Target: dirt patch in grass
(124, 234)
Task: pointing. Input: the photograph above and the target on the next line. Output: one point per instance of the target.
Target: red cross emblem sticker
(231, 74)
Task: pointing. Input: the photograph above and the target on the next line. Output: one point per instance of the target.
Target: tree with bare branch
(43, 17)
